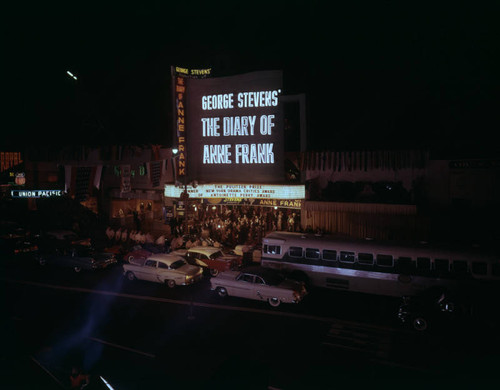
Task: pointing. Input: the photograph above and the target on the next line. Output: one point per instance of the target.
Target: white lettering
(266, 124)
(254, 154)
(210, 127)
(217, 102)
(258, 99)
(216, 154)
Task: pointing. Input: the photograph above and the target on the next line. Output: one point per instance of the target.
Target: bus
(369, 266)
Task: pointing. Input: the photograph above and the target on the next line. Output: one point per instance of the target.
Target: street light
(71, 75)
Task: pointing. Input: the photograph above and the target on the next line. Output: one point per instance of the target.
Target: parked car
(212, 259)
(141, 252)
(169, 269)
(259, 283)
(77, 258)
(65, 237)
(15, 246)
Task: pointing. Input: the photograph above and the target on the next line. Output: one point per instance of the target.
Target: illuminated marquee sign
(179, 76)
(235, 128)
(36, 193)
(282, 203)
(246, 191)
(9, 160)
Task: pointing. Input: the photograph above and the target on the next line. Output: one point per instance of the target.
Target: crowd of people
(231, 226)
(223, 226)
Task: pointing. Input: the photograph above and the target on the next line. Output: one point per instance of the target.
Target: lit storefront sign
(9, 160)
(245, 191)
(36, 193)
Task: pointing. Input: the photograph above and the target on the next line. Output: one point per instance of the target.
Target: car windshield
(177, 264)
(216, 255)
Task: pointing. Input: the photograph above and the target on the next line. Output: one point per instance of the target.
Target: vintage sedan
(77, 258)
(168, 269)
(67, 237)
(17, 246)
(212, 259)
(260, 284)
(141, 252)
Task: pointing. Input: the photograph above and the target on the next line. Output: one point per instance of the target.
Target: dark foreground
(142, 335)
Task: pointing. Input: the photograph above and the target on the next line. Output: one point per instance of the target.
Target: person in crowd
(118, 234)
(110, 233)
(124, 235)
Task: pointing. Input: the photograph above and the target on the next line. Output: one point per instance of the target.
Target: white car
(168, 269)
(259, 283)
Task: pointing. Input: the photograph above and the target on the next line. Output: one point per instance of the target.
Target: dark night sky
(375, 73)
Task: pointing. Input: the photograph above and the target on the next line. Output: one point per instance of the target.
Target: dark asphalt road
(141, 335)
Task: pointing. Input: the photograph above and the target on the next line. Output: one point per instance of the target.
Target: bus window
(365, 258)
(346, 257)
(385, 261)
(423, 265)
(405, 265)
(272, 249)
(479, 268)
(295, 251)
(329, 257)
(441, 266)
(312, 256)
(312, 253)
(459, 267)
(495, 269)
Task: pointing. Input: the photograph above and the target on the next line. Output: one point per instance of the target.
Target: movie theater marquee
(244, 191)
(235, 128)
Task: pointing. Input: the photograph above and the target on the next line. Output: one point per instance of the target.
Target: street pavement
(143, 335)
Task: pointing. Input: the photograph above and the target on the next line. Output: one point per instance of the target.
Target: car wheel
(170, 283)
(130, 275)
(214, 272)
(419, 323)
(221, 291)
(274, 302)
(77, 269)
